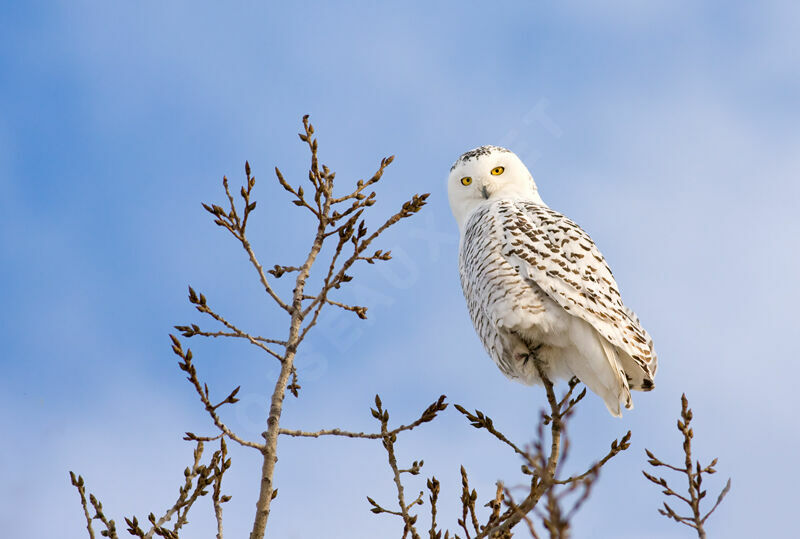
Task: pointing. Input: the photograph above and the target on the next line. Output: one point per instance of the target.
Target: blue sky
(667, 130)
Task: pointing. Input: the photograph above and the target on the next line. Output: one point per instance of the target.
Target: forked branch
(389, 438)
(541, 462)
(197, 478)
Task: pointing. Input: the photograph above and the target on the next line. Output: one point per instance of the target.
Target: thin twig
(330, 432)
(480, 421)
(202, 391)
(388, 444)
(202, 306)
(694, 477)
(216, 497)
(77, 482)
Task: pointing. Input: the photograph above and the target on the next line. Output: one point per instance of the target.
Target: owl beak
(485, 192)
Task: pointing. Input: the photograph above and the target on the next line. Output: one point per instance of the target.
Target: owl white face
(484, 175)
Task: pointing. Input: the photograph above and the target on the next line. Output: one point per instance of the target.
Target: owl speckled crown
(476, 153)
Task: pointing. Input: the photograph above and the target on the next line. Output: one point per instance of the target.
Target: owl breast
(511, 314)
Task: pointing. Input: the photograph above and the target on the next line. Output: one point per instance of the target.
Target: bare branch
(197, 478)
(617, 446)
(111, 528)
(361, 312)
(481, 421)
(330, 432)
(468, 499)
(542, 466)
(194, 330)
(719, 500)
(217, 497)
(433, 486)
(201, 305)
(361, 185)
(694, 476)
(389, 439)
(231, 222)
(188, 367)
(77, 482)
(263, 278)
(300, 201)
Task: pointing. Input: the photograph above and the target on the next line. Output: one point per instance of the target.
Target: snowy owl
(537, 287)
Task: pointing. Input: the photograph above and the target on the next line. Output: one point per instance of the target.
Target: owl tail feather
(599, 368)
(622, 392)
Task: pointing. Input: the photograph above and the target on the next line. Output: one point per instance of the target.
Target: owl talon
(531, 354)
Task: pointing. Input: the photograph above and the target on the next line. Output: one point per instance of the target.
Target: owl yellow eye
(496, 171)
(466, 180)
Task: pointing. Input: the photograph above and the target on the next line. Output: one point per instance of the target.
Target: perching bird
(537, 287)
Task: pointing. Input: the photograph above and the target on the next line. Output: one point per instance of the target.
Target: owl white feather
(537, 287)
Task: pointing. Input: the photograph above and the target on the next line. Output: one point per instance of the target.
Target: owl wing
(563, 261)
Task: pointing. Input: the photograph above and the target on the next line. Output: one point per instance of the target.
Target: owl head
(484, 175)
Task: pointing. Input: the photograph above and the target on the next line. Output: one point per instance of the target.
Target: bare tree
(340, 222)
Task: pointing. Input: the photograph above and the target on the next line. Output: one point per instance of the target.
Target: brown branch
(509, 500)
(388, 443)
(263, 278)
(617, 446)
(543, 465)
(201, 305)
(554, 518)
(353, 213)
(111, 528)
(197, 478)
(468, 499)
(323, 185)
(694, 476)
(481, 421)
(433, 486)
(361, 312)
(409, 208)
(217, 497)
(545, 475)
(185, 500)
(77, 482)
(202, 391)
(194, 330)
(322, 180)
(377, 509)
(360, 242)
(300, 201)
(330, 432)
(389, 437)
(237, 228)
(361, 184)
(429, 414)
(319, 301)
